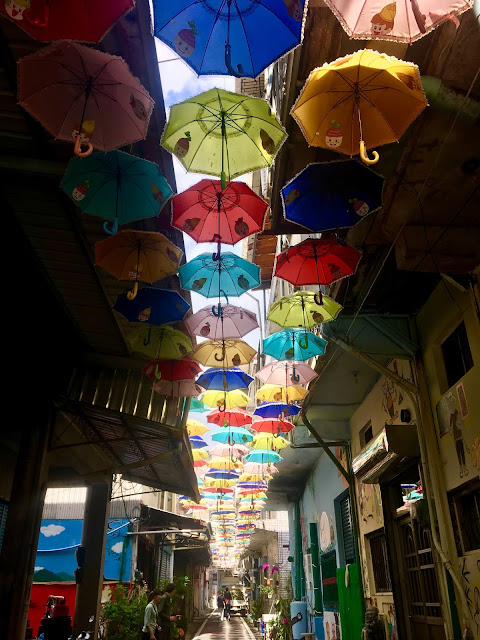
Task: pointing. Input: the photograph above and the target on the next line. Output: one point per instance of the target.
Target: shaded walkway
(214, 629)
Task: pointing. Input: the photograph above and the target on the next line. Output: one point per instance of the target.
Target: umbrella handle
(364, 156)
(148, 339)
(217, 310)
(218, 239)
(157, 373)
(228, 63)
(303, 345)
(113, 230)
(77, 148)
(295, 376)
(38, 22)
(318, 298)
(131, 295)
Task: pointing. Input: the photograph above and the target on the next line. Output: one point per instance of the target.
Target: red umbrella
(82, 94)
(85, 20)
(209, 214)
(317, 262)
(178, 388)
(272, 425)
(217, 490)
(171, 370)
(231, 417)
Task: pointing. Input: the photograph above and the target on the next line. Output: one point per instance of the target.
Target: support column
(94, 533)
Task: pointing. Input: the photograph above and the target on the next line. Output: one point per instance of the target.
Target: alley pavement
(215, 629)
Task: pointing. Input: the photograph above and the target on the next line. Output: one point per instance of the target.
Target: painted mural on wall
(58, 540)
(331, 625)
(391, 621)
(327, 532)
(470, 569)
(370, 503)
(341, 456)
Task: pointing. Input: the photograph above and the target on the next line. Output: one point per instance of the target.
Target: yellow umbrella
(225, 463)
(219, 484)
(253, 477)
(277, 393)
(223, 353)
(361, 101)
(195, 428)
(269, 441)
(225, 399)
(199, 454)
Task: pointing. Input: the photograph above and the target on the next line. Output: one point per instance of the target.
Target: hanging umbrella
(220, 462)
(144, 256)
(272, 425)
(209, 214)
(269, 441)
(227, 353)
(199, 454)
(361, 101)
(231, 322)
(276, 393)
(208, 36)
(196, 406)
(196, 442)
(400, 22)
(232, 435)
(59, 20)
(218, 491)
(223, 134)
(183, 369)
(332, 195)
(214, 275)
(294, 344)
(284, 372)
(221, 475)
(254, 477)
(263, 455)
(116, 186)
(160, 342)
(177, 389)
(276, 409)
(84, 94)
(152, 306)
(319, 262)
(304, 309)
(232, 417)
(195, 427)
(226, 399)
(256, 467)
(229, 451)
(218, 379)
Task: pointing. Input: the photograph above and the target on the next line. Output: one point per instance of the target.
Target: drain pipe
(450, 101)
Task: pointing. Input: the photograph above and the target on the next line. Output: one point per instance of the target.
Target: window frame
(462, 522)
(466, 359)
(380, 534)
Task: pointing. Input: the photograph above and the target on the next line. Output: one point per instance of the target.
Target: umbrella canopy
(229, 451)
(276, 393)
(232, 435)
(214, 275)
(213, 490)
(222, 475)
(269, 441)
(263, 455)
(303, 309)
(177, 389)
(173, 370)
(257, 468)
(232, 417)
(152, 306)
(196, 406)
(226, 399)
(218, 379)
(116, 186)
(208, 213)
(160, 342)
(332, 195)
(199, 454)
(361, 101)
(144, 256)
(276, 409)
(254, 477)
(60, 20)
(228, 38)
(294, 344)
(223, 134)
(195, 428)
(84, 94)
(285, 372)
(227, 353)
(401, 22)
(226, 321)
(221, 462)
(272, 425)
(319, 262)
(197, 443)
(219, 484)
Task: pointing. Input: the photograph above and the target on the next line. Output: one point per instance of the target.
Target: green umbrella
(224, 134)
(160, 342)
(301, 309)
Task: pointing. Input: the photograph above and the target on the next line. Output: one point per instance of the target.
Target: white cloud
(38, 569)
(117, 547)
(52, 530)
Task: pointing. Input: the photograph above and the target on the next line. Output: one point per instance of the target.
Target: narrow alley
(213, 628)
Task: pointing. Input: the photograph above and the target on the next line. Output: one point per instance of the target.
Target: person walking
(227, 599)
(165, 616)
(220, 605)
(150, 627)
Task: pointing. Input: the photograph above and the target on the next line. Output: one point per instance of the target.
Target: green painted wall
(352, 609)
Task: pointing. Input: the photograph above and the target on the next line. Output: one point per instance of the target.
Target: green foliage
(183, 591)
(257, 607)
(123, 613)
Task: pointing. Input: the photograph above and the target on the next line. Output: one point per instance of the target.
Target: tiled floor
(215, 629)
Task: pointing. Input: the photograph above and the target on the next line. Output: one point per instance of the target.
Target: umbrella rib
(245, 33)
(215, 126)
(209, 35)
(61, 64)
(277, 16)
(338, 103)
(95, 89)
(381, 113)
(240, 130)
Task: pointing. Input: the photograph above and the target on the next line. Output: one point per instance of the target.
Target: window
(457, 356)
(381, 570)
(366, 434)
(345, 533)
(465, 511)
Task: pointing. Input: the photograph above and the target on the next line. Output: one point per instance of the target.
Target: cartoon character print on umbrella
(292, 195)
(383, 22)
(182, 146)
(190, 224)
(184, 42)
(243, 282)
(334, 135)
(198, 284)
(294, 9)
(138, 107)
(85, 131)
(236, 360)
(205, 330)
(409, 81)
(267, 143)
(80, 191)
(144, 315)
(15, 8)
(360, 207)
(157, 194)
(241, 227)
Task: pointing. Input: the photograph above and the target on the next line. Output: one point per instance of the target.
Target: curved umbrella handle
(218, 239)
(131, 295)
(364, 156)
(148, 339)
(113, 230)
(217, 310)
(304, 344)
(295, 375)
(77, 148)
(228, 63)
(222, 293)
(157, 373)
(38, 22)
(222, 407)
(318, 298)
(222, 358)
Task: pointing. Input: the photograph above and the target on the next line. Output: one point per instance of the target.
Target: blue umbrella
(208, 35)
(275, 409)
(197, 443)
(294, 344)
(332, 195)
(220, 379)
(263, 455)
(217, 474)
(215, 275)
(152, 306)
(232, 435)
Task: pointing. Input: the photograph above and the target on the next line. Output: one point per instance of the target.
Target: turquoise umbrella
(263, 455)
(215, 275)
(294, 344)
(196, 406)
(116, 186)
(232, 435)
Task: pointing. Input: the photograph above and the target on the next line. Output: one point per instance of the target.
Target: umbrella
(401, 22)
(160, 342)
(199, 454)
(144, 256)
(195, 427)
(225, 399)
(272, 425)
(303, 309)
(209, 35)
(196, 406)
(59, 20)
(177, 389)
(116, 186)
(232, 435)
(315, 261)
(263, 455)
(294, 344)
(229, 451)
(209, 214)
(276, 409)
(221, 462)
(223, 134)
(232, 417)
(200, 463)
(361, 101)
(276, 393)
(231, 322)
(224, 379)
(256, 467)
(152, 306)
(173, 370)
(215, 275)
(218, 491)
(221, 475)
(332, 195)
(227, 353)
(254, 477)
(197, 443)
(286, 372)
(84, 94)
(269, 441)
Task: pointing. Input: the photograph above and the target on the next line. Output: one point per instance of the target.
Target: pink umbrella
(258, 468)
(84, 95)
(178, 388)
(232, 322)
(226, 451)
(286, 372)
